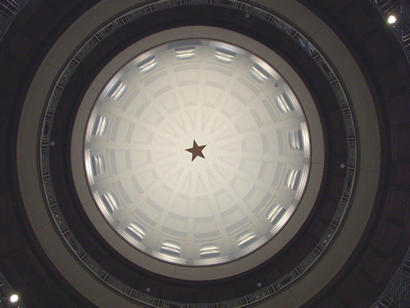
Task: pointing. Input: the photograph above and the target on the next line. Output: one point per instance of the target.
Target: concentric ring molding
(211, 271)
(361, 206)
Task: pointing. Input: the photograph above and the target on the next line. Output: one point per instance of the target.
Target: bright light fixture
(391, 19)
(14, 298)
(197, 152)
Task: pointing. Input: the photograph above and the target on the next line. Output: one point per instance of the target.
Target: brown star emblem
(196, 150)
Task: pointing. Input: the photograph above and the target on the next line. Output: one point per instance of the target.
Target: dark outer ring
(266, 273)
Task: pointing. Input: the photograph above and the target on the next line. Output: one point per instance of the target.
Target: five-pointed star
(196, 150)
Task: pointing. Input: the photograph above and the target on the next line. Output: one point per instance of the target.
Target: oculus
(183, 208)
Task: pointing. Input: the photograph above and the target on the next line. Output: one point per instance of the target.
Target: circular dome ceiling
(81, 175)
(197, 152)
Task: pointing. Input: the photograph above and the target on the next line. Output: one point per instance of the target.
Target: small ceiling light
(14, 298)
(391, 20)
